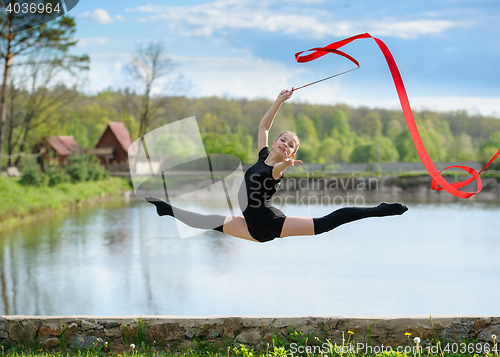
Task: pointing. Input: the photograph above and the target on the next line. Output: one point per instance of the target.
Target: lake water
(120, 258)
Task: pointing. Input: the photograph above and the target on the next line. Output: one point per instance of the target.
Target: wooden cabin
(57, 150)
(112, 147)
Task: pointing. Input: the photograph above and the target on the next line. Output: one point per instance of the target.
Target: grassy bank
(242, 352)
(20, 204)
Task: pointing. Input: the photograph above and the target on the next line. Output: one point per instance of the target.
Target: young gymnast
(261, 222)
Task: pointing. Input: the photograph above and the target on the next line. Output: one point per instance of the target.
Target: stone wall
(117, 334)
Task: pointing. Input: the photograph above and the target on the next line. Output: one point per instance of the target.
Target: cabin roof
(121, 133)
(59, 146)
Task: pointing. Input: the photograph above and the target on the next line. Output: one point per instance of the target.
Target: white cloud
(86, 42)
(485, 106)
(236, 77)
(208, 19)
(117, 65)
(98, 15)
(411, 29)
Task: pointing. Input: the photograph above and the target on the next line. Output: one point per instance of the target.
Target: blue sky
(447, 51)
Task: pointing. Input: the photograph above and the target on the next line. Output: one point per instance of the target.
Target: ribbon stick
(438, 181)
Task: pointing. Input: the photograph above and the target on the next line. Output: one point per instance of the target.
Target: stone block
(211, 331)
(161, 333)
(281, 322)
(113, 332)
(71, 331)
(307, 330)
(111, 324)
(487, 333)
(185, 346)
(46, 330)
(228, 332)
(49, 342)
(420, 331)
(89, 342)
(22, 331)
(87, 325)
(457, 332)
(189, 333)
(94, 333)
(479, 324)
(251, 336)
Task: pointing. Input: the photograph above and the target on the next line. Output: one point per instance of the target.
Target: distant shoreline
(23, 204)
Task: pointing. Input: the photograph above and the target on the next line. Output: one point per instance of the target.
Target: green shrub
(78, 168)
(57, 175)
(96, 170)
(86, 168)
(32, 175)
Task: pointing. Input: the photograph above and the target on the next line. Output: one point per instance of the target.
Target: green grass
(279, 352)
(20, 203)
(295, 344)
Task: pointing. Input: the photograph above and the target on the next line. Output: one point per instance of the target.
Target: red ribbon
(437, 179)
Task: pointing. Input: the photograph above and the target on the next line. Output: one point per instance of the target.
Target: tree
(44, 97)
(371, 124)
(462, 149)
(489, 148)
(146, 67)
(339, 122)
(54, 38)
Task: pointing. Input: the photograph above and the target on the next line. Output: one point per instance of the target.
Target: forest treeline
(328, 133)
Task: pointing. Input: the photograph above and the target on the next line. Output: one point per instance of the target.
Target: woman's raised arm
(267, 119)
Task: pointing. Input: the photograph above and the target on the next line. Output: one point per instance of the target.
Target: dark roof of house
(71, 144)
(58, 146)
(121, 133)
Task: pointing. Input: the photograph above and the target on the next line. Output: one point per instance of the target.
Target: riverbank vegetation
(22, 203)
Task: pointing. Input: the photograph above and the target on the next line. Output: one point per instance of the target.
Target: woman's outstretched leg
(295, 226)
(192, 219)
(350, 214)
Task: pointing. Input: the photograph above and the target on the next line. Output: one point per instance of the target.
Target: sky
(447, 51)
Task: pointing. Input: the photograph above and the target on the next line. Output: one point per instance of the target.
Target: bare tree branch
(146, 67)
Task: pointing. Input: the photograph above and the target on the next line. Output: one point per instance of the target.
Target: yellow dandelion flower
(407, 334)
(352, 333)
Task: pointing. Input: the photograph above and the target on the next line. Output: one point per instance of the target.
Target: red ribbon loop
(438, 181)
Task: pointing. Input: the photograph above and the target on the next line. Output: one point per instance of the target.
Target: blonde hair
(297, 148)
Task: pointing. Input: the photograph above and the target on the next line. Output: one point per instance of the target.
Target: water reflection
(122, 259)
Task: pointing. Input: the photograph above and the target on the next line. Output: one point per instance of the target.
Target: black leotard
(263, 220)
